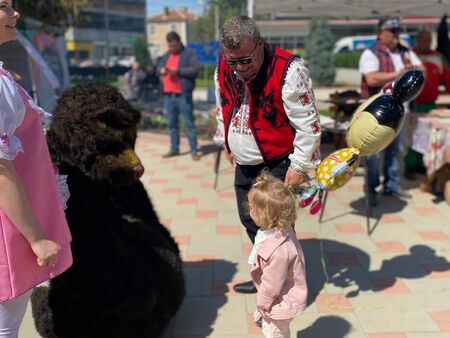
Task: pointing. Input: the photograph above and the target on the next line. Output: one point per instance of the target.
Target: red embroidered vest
(268, 121)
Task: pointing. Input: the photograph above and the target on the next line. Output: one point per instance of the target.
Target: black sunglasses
(244, 60)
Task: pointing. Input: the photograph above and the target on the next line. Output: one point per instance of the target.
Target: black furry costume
(126, 280)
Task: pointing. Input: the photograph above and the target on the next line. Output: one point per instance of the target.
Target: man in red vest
(266, 114)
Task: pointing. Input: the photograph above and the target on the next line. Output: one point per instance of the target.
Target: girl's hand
(263, 313)
(46, 252)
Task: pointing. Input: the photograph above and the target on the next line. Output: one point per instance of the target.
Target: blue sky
(156, 6)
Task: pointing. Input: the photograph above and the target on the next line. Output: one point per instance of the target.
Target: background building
(113, 23)
(291, 33)
(178, 20)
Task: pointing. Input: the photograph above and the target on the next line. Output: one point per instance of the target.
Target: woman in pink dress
(34, 236)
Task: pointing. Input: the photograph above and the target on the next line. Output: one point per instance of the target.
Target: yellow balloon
(326, 175)
(366, 133)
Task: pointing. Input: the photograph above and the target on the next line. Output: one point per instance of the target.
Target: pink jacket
(280, 277)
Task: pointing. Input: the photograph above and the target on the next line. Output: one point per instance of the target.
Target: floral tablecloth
(431, 137)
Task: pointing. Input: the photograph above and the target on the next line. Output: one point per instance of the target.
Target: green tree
(319, 52)
(141, 52)
(205, 29)
(52, 12)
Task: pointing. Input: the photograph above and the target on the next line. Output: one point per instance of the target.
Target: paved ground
(393, 283)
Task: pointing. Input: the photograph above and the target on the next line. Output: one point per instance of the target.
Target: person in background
(151, 84)
(437, 74)
(34, 235)
(380, 64)
(277, 260)
(266, 114)
(178, 69)
(135, 78)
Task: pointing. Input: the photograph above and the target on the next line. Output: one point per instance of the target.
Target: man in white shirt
(380, 64)
(266, 114)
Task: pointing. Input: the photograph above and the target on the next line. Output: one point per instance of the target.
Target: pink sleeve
(272, 280)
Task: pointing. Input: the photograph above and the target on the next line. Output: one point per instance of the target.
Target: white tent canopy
(349, 9)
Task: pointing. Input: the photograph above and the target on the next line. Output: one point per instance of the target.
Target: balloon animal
(373, 127)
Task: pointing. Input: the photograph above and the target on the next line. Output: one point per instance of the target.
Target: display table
(431, 137)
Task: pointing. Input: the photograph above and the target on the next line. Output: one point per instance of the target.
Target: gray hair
(236, 29)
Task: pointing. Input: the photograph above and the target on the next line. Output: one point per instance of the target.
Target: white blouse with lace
(12, 113)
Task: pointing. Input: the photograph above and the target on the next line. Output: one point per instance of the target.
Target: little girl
(278, 266)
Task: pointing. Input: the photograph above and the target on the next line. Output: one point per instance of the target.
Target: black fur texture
(126, 280)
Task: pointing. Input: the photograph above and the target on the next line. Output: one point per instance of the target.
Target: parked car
(361, 42)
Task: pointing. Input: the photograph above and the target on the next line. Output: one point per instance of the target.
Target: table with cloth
(431, 137)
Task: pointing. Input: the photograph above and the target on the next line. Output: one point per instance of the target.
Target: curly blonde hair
(272, 202)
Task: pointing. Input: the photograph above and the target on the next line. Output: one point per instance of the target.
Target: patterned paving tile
(433, 235)
(194, 176)
(181, 168)
(333, 304)
(166, 222)
(390, 285)
(427, 210)
(228, 229)
(186, 201)
(227, 195)
(182, 239)
(306, 235)
(246, 248)
(442, 319)
(206, 261)
(391, 246)
(172, 191)
(155, 181)
(206, 214)
(350, 228)
(392, 219)
(251, 326)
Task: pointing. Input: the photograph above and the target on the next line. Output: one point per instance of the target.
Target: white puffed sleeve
(12, 112)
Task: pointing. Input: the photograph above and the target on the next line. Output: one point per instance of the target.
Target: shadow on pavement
(347, 267)
(387, 205)
(207, 285)
(209, 148)
(328, 326)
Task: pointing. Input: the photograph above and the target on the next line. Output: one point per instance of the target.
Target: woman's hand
(46, 252)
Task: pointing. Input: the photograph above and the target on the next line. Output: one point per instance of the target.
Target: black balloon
(371, 135)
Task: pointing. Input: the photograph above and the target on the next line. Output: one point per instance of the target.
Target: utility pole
(106, 16)
(216, 20)
(250, 6)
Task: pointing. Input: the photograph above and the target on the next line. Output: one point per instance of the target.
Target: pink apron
(19, 271)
